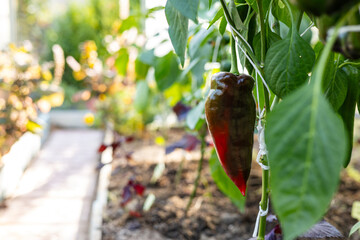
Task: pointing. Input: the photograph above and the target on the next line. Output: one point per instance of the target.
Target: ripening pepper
(230, 114)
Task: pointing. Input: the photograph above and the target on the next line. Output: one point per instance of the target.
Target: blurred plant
(90, 20)
(25, 87)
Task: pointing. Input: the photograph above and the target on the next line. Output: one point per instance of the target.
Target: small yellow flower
(102, 97)
(89, 119)
(46, 75)
(80, 75)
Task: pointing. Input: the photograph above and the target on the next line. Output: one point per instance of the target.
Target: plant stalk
(265, 173)
(234, 66)
(264, 200)
(198, 174)
(246, 46)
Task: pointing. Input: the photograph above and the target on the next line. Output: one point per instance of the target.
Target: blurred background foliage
(120, 63)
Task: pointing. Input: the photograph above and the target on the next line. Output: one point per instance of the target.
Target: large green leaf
(166, 71)
(188, 8)
(307, 144)
(178, 30)
(141, 96)
(288, 63)
(224, 183)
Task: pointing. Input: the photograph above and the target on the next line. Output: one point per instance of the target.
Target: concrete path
(54, 197)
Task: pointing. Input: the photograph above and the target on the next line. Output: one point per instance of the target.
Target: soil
(211, 216)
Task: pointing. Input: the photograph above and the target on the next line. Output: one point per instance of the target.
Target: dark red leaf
(115, 145)
(102, 148)
(139, 189)
(135, 214)
(274, 234)
(181, 110)
(129, 139)
(131, 182)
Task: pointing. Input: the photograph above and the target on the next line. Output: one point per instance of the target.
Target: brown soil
(211, 217)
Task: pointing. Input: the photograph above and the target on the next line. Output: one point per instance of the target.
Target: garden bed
(211, 216)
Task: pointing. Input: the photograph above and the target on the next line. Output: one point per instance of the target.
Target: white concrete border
(19, 157)
(100, 201)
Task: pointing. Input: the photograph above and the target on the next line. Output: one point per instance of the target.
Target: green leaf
(347, 109)
(222, 26)
(218, 15)
(128, 23)
(236, 17)
(178, 30)
(288, 63)
(195, 115)
(198, 41)
(121, 61)
(253, 4)
(336, 91)
(210, 2)
(141, 69)
(307, 144)
(355, 228)
(166, 71)
(141, 96)
(224, 183)
(188, 8)
(148, 57)
(272, 38)
(280, 12)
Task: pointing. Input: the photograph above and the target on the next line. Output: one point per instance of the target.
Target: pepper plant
(305, 91)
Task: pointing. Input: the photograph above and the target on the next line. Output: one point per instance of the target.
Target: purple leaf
(322, 230)
(188, 143)
(126, 195)
(181, 110)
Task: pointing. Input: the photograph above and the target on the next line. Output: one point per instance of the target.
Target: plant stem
(234, 67)
(262, 31)
(179, 171)
(198, 174)
(264, 200)
(246, 45)
(265, 173)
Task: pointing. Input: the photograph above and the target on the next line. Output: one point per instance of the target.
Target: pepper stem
(234, 66)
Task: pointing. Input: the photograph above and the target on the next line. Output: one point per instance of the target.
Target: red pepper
(230, 114)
